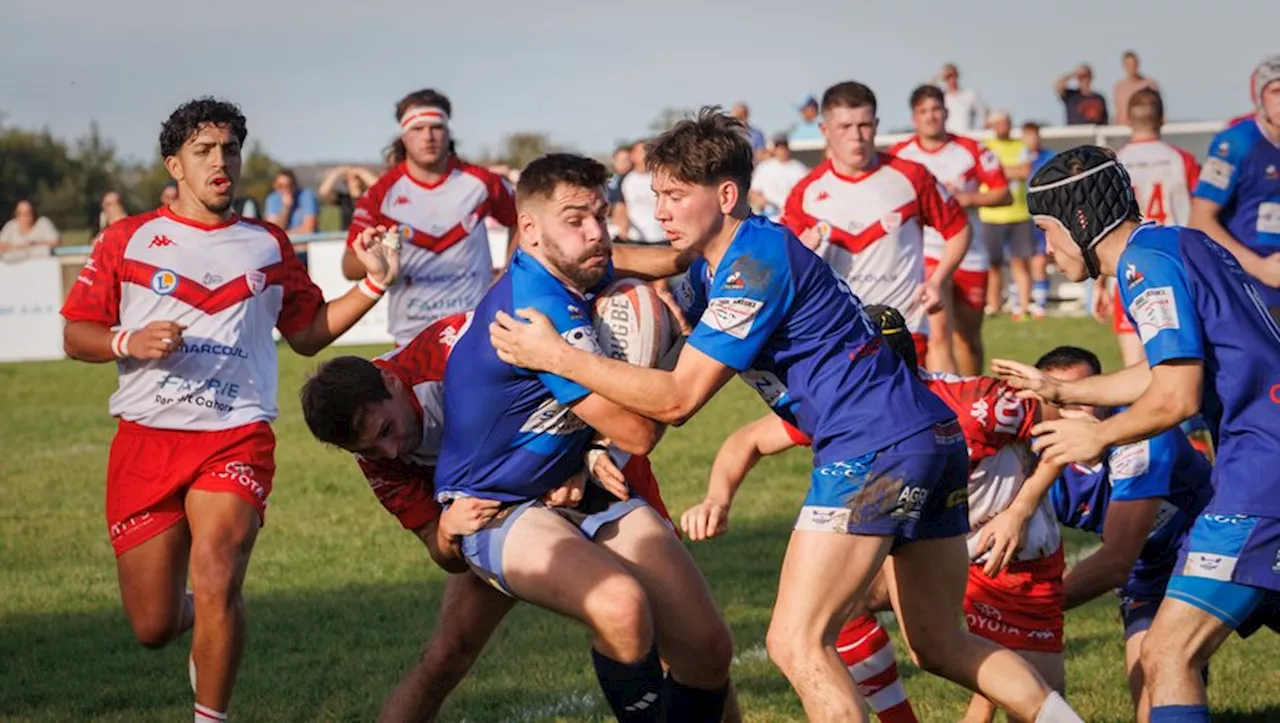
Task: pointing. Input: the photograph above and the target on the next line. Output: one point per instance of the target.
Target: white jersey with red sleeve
(964, 165)
(445, 262)
(406, 485)
(997, 429)
(873, 228)
(228, 285)
(1163, 177)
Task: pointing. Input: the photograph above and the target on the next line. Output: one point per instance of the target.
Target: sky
(320, 85)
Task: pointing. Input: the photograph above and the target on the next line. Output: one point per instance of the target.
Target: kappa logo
(164, 282)
(159, 241)
(1133, 276)
(256, 281)
(401, 200)
(822, 196)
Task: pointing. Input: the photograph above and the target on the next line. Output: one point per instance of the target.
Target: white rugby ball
(632, 324)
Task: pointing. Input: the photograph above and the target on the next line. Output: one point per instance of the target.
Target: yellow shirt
(1011, 153)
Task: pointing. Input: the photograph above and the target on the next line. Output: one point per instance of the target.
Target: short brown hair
(336, 394)
(925, 92)
(540, 178)
(704, 150)
(1031, 126)
(849, 94)
(1146, 108)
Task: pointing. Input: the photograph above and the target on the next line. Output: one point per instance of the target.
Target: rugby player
(183, 300)
(1141, 498)
(437, 204)
(1237, 199)
(1211, 346)
(511, 435)
(389, 413)
(891, 464)
(865, 213)
(963, 167)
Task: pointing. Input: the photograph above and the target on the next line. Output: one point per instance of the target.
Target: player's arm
(945, 215)
(1002, 536)
(1172, 397)
(740, 452)
(1116, 389)
(1214, 189)
(649, 263)
(1124, 534)
(794, 217)
(629, 431)
(1204, 217)
(366, 215)
(308, 323)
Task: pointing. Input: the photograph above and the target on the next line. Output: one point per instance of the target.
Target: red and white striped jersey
(963, 165)
(406, 486)
(445, 263)
(873, 228)
(228, 285)
(1163, 177)
(997, 430)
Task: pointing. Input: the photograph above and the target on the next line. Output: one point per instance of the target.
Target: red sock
(868, 652)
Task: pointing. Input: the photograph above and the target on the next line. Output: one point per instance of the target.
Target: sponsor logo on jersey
(574, 312)
(160, 240)
(732, 315)
(1153, 311)
(1133, 276)
(1131, 460)
(909, 504)
(734, 282)
(243, 474)
(214, 350)
(822, 196)
(256, 281)
(1275, 394)
(891, 221)
(824, 519)
(1224, 148)
(401, 200)
(1217, 173)
(958, 497)
(987, 610)
(211, 279)
(1214, 567)
(584, 338)
(164, 282)
(1271, 172)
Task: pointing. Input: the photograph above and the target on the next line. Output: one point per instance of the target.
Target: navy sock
(635, 691)
(1180, 714)
(694, 705)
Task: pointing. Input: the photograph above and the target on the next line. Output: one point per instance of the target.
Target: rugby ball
(632, 324)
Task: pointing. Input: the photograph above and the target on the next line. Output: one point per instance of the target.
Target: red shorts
(1119, 320)
(1021, 608)
(922, 347)
(967, 287)
(639, 475)
(149, 472)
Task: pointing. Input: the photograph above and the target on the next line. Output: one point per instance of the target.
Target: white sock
(191, 671)
(1056, 710)
(205, 714)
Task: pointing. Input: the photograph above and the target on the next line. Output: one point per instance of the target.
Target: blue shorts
(914, 489)
(1230, 567)
(483, 550)
(1136, 614)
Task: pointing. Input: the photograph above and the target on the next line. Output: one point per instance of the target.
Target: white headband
(423, 115)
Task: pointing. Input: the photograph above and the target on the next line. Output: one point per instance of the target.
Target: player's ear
(728, 194)
(392, 381)
(529, 231)
(174, 166)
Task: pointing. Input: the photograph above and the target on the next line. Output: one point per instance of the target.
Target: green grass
(340, 598)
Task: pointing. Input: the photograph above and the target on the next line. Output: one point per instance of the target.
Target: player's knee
(789, 647)
(156, 632)
(215, 572)
(1163, 653)
(618, 611)
(705, 656)
(936, 650)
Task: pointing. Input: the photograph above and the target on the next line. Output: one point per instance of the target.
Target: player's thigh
(153, 580)
(1051, 666)
(969, 314)
(689, 627)
(224, 527)
(546, 561)
(927, 583)
(1182, 632)
(995, 236)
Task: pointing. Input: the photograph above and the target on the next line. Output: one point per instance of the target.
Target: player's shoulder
(1152, 241)
(759, 238)
(280, 235)
(901, 146)
(971, 146)
(1234, 142)
(486, 176)
(424, 358)
(116, 237)
(915, 172)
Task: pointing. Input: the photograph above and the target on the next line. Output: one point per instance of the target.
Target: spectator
(1007, 229)
(343, 186)
(621, 167)
(773, 179)
(246, 207)
(1083, 106)
(27, 235)
(808, 128)
(169, 194)
(754, 136)
(634, 217)
(1034, 156)
(1132, 82)
(965, 109)
(294, 209)
(112, 209)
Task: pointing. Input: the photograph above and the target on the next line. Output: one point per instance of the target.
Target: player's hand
(1030, 382)
(156, 340)
(1074, 438)
(1002, 537)
(607, 474)
(467, 516)
(1102, 303)
(531, 344)
(663, 290)
(929, 296)
(705, 520)
(378, 249)
(568, 494)
(1269, 270)
(812, 237)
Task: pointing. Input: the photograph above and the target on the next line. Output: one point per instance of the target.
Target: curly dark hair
(186, 121)
(335, 395)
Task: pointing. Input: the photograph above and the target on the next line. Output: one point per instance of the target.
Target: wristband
(120, 343)
(370, 288)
